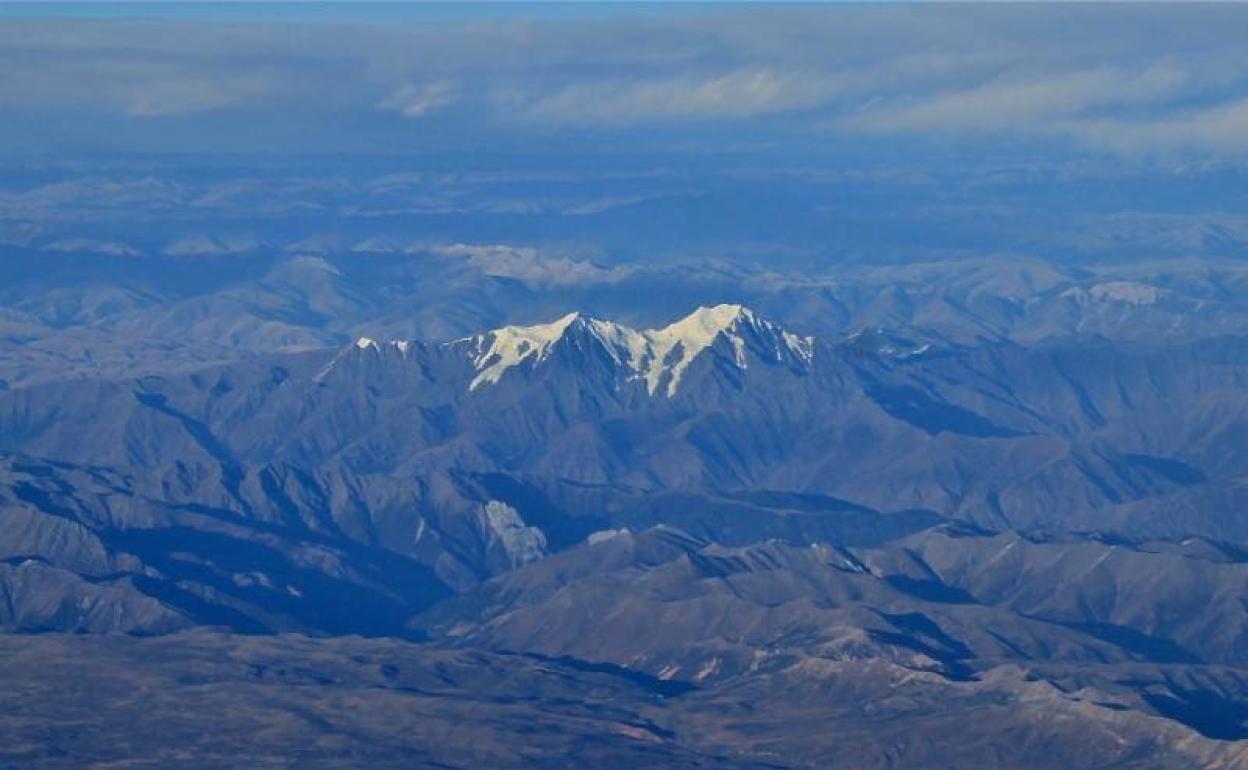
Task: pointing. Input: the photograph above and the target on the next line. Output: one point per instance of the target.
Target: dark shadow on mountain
(1205, 712)
(933, 416)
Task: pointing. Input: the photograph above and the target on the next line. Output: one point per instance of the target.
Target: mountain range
(721, 505)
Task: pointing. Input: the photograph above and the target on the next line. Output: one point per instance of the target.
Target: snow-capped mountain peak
(658, 357)
(501, 349)
(676, 346)
(368, 343)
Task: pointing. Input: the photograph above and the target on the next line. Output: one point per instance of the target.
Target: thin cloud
(1025, 103)
(414, 101)
(1167, 78)
(185, 96)
(742, 93)
(1222, 129)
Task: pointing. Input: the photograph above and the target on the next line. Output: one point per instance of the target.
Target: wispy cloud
(1222, 128)
(741, 93)
(1027, 102)
(414, 101)
(187, 95)
(1107, 109)
(1140, 80)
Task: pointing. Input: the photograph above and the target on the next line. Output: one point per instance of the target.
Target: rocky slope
(771, 518)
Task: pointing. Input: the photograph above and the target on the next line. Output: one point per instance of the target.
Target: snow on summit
(511, 345)
(659, 357)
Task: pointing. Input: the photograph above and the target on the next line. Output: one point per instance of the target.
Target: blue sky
(1132, 83)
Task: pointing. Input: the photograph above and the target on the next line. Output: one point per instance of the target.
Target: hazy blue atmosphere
(806, 134)
(624, 385)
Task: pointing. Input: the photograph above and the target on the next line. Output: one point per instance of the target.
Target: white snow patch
(313, 262)
(654, 356)
(1125, 291)
(365, 343)
(511, 345)
(603, 535)
(1129, 292)
(530, 266)
(710, 668)
(503, 526)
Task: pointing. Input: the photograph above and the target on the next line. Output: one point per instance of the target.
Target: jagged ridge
(658, 357)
